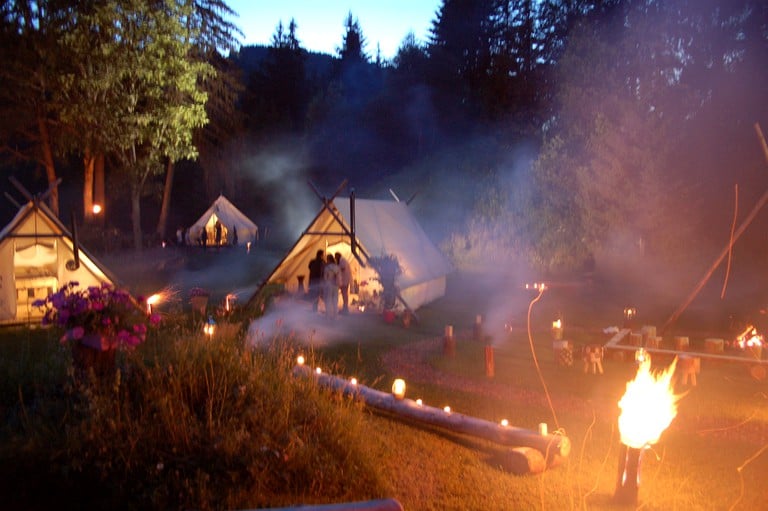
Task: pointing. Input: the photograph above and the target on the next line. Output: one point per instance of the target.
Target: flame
(648, 406)
(749, 338)
(557, 324)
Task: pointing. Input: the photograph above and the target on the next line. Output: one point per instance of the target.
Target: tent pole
(352, 236)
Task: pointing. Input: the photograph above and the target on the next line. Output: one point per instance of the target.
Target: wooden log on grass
(553, 448)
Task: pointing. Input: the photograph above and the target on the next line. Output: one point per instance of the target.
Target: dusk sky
(321, 22)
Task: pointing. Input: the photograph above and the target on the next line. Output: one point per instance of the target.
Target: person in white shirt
(345, 277)
(331, 287)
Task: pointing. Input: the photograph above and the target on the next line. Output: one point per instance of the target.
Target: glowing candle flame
(300, 360)
(447, 409)
(152, 300)
(419, 402)
(96, 209)
(398, 388)
(557, 324)
(353, 380)
(648, 405)
(504, 423)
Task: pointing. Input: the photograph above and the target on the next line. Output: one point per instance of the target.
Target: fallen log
(552, 447)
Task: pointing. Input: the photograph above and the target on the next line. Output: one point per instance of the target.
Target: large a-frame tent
(230, 218)
(363, 228)
(37, 257)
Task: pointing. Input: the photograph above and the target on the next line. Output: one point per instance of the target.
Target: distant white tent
(232, 221)
(37, 258)
(374, 228)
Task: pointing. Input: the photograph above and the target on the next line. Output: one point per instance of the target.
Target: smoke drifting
(295, 321)
(279, 173)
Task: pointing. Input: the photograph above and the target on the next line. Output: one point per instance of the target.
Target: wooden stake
(489, 365)
(449, 343)
(478, 329)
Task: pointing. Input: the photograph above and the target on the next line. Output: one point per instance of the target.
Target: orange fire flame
(648, 406)
(749, 338)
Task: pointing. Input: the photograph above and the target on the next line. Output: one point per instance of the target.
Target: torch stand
(629, 475)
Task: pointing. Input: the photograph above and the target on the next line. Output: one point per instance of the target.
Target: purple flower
(102, 310)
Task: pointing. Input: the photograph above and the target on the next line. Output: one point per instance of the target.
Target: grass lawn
(713, 456)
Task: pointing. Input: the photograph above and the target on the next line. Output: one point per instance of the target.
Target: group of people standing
(182, 236)
(328, 276)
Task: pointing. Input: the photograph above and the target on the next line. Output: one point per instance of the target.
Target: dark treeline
(553, 132)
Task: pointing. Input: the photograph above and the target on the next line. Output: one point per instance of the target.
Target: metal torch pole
(629, 475)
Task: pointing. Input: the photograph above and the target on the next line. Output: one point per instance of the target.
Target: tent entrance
(364, 288)
(213, 226)
(35, 275)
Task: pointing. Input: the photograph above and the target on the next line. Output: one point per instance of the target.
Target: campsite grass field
(714, 455)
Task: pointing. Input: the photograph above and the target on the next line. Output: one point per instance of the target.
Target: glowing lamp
(353, 380)
(557, 329)
(398, 388)
(300, 360)
(318, 370)
(504, 423)
(96, 209)
(419, 402)
(209, 327)
(447, 409)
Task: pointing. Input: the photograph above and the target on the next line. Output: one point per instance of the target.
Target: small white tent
(37, 258)
(371, 228)
(234, 224)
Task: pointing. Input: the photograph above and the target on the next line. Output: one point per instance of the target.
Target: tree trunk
(162, 222)
(136, 216)
(99, 195)
(88, 165)
(50, 167)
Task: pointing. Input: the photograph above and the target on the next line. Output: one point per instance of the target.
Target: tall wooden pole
(727, 249)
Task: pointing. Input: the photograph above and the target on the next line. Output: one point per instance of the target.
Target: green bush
(186, 422)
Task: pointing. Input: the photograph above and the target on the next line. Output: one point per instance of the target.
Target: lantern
(398, 388)
(209, 327)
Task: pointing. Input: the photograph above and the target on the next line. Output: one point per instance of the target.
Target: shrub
(191, 423)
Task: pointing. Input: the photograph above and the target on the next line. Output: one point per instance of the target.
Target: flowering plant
(109, 313)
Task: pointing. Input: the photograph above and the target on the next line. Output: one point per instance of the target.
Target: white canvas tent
(37, 258)
(230, 218)
(379, 228)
